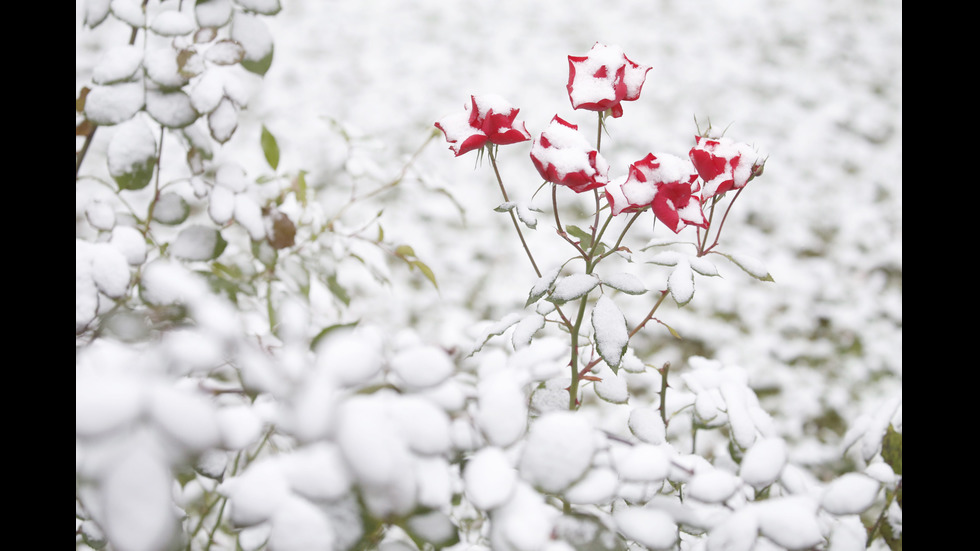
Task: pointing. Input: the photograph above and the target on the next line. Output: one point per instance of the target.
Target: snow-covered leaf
(264, 7)
(526, 215)
(253, 34)
(117, 65)
(611, 336)
(572, 287)
(132, 155)
(223, 120)
(624, 282)
(542, 286)
(108, 105)
(489, 478)
(680, 282)
(173, 23)
(198, 242)
(525, 330)
(850, 494)
(213, 13)
(750, 266)
(703, 266)
(651, 528)
(763, 462)
(171, 209)
(171, 109)
(558, 450)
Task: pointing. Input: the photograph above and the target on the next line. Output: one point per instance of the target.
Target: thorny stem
(513, 217)
(663, 295)
(663, 392)
(873, 531)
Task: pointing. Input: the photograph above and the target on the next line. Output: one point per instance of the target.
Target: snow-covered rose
(488, 118)
(563, 156)
(603, 79)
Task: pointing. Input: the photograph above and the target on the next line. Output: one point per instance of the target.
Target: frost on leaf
(611, 335)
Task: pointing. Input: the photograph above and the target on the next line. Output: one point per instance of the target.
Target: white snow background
(814, 84)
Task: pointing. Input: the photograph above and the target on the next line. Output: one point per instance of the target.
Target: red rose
(488, 118)
(666, 183)
(724, 164)
(563, 156)
(604, 78)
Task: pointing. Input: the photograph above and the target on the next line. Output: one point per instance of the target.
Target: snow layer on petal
(850, 494)
(763, 462)
(298, 525)
(489, 478)
(558, 450)
(651, 528)
(137, 505)
(422, 366)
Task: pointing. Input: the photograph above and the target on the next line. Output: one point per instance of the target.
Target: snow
(132, 145)
(850, 494)
(611, 335)
(763, 462)
(646, 424)
(651, 528)
(422, 366)
(573, 286)
(641, 463)
(196, 243)
(714, 486)
(118, 64)
(489, 478)
(558, 450)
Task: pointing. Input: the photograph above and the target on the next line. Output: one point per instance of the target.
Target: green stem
(573, 388)
(513, 218)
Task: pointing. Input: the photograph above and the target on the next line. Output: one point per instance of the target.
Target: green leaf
(426, 271)
(300, 187)
(584, 237)
(750, 266)
(891, 449)
(405, 251)
(329, 329)
(259, 67)
(337, 290)
(137, 177)
(270, 148)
